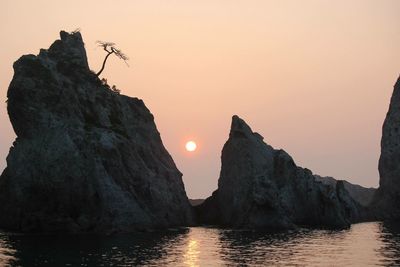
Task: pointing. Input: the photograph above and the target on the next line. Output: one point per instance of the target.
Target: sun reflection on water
(192, 253)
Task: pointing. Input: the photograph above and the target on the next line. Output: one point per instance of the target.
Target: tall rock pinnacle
(85, 159)
(388, 195)
(262, 188)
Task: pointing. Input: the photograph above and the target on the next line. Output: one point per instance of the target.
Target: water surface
(365, 244)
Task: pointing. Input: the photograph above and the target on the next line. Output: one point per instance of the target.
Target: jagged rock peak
(239, 128)
(69, 49)
(239, 125)
(46, 77)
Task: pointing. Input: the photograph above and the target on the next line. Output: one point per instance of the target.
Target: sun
(191, 146)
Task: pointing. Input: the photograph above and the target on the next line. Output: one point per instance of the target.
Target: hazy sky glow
(312, 77)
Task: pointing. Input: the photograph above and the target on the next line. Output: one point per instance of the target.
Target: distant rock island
(196, 202)
(361, 194)
(85, 159)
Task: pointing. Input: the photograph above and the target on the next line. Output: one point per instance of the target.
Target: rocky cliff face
(260, 187)
(388, 195)
(85, 159)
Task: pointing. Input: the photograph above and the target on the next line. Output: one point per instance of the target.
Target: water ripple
(365, 244)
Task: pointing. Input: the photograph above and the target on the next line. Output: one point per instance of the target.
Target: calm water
(365, 244)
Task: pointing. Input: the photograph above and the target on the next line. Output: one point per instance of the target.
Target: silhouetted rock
(387, 198)
(85, 159)
(260, 187)
(359, 193)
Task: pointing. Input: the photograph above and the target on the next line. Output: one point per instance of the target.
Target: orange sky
(313, 77)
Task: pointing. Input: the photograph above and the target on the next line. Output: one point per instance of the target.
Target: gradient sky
(313, 77)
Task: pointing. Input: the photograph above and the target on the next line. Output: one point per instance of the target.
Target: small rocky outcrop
(262, 188)
(362, 195)
(86, 159)
(387, 199)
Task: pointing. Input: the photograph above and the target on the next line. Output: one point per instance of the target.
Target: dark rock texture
(362, 195)
(262, 188)
(387, 198)
(85, 159)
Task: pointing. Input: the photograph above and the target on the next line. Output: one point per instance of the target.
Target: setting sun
(191, 146)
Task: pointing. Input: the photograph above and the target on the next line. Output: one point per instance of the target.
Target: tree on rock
(110, 49)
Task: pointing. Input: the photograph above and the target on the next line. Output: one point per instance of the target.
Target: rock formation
(262, 188)
(362, 195)
(387, 198)
(85, 159)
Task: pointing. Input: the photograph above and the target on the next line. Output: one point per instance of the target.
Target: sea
(364, 244)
